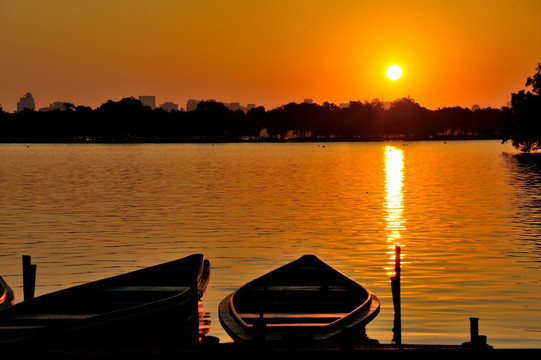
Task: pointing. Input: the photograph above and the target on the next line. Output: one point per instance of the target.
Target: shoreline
(250, 141)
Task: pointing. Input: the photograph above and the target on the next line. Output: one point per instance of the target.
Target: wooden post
(395, 288)
(474, 330)
(29, 277)
(476, 340)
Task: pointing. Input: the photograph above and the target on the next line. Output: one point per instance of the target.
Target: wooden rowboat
(151, 304)
(7, 297)
(305, 299)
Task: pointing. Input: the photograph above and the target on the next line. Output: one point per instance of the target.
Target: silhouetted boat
(305, 299)
(151, 304)
(7, 296)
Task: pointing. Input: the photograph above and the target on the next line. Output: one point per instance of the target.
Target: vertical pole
(395, 288)
(29, 277)
(474, 330)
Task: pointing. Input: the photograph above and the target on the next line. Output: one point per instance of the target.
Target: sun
(394, 72)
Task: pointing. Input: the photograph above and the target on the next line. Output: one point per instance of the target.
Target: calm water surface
(468, 215)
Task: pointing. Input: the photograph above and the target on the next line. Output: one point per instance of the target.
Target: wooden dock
(210, 350)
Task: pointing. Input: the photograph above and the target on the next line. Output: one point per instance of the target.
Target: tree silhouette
(405, 119)
(535, 81)
(128, 120)
(525, 114)
(255, 118)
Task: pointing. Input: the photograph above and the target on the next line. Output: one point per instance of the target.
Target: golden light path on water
(394, 202)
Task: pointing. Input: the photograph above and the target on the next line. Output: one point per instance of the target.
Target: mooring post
(29, 277)
(395, 288)
(474, 330)
(476, 340)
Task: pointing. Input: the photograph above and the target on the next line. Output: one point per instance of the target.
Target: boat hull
(152, 304)
(7, 297)
(303, 300)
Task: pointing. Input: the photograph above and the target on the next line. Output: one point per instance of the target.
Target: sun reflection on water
(394, 201)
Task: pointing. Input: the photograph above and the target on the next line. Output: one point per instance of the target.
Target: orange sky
(455, 53)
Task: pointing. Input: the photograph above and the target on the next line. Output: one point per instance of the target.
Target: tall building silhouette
(26, 102)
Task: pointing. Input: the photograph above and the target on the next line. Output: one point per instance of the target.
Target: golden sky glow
(268, 53)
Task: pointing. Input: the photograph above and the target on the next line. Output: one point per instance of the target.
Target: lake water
(467, 215)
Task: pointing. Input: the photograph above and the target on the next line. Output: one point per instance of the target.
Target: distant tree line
(128, 120)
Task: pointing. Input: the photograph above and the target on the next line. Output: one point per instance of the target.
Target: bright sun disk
(394, 72)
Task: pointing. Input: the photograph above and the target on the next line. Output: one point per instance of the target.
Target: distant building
(169, 106)
(344, 105)
(234, 106)
(308, 101)
(26, 102)
(148, 101)
(57, 105)
(475, 107)
(192, 104)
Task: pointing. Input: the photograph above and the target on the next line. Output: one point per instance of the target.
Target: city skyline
(191, 104)
(270, 53)
(27, 102)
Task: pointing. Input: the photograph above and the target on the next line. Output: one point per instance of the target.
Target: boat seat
(16, 332)
(302, 288)
(135, 295)
(144, 288)
(292, 319)
(19, 327)
(301, 306)
(26, 320)
(296, 325)
(51, 316)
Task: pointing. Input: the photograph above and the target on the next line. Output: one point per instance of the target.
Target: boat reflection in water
(204, 321)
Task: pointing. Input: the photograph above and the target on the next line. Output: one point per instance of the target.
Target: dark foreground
(225, 350)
